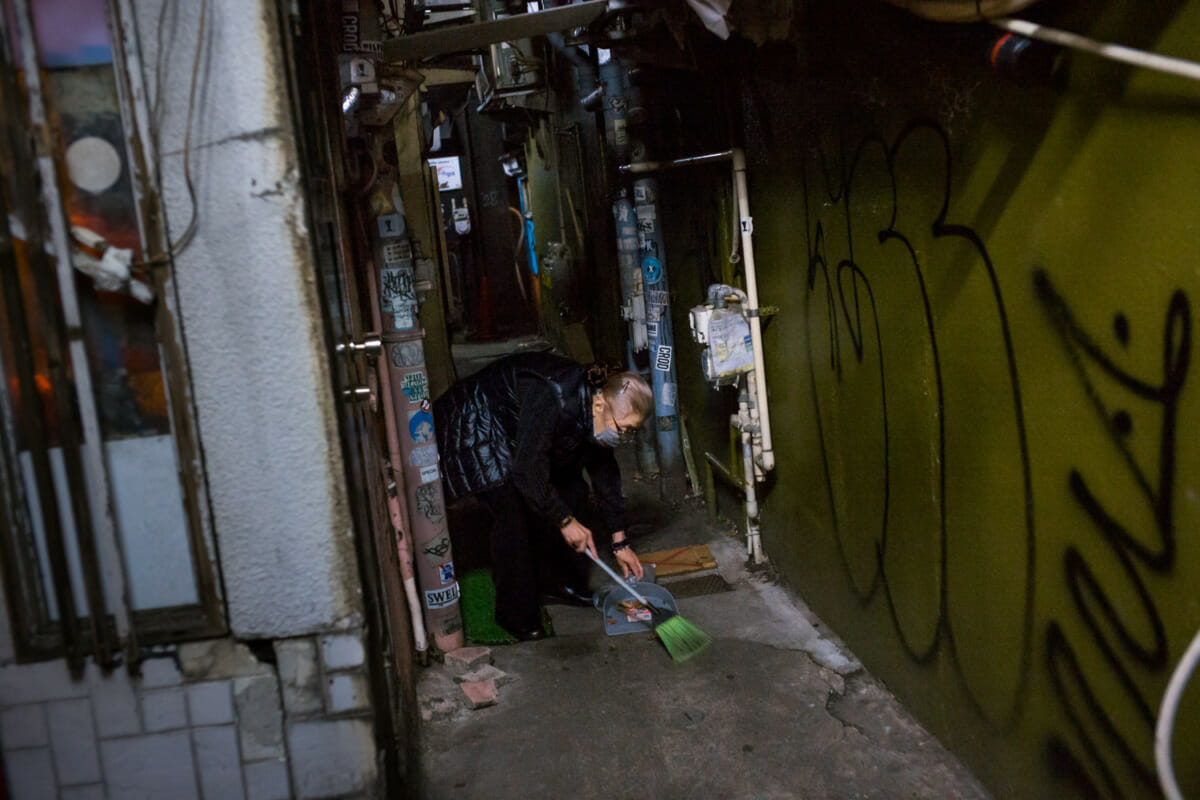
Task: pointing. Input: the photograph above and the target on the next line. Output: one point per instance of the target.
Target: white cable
(1114, 52)
(1166, 719)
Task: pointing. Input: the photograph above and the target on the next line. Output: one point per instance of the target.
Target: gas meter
(725, 330)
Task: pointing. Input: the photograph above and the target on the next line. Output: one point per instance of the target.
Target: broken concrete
(485, 673)
(466, 657)
(777, 707)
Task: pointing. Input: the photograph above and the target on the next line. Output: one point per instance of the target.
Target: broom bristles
(681, 638)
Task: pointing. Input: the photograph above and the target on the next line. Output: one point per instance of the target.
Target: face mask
(608, 437)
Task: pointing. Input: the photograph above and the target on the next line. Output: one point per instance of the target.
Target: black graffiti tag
(427, 502)
(1091, 600)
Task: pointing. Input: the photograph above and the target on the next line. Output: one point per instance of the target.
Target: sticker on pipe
(435, 551)
(441, 598)
(426, 456)
(430, 474)
(652, 268)
(668, 395)
(407, 354)
(390, 226)
(420, 428)
(429, 502)
(396, 252)
(415, 386)
(662, 358)
(446, 572)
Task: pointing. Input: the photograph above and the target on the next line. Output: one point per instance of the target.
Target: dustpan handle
(617, 578)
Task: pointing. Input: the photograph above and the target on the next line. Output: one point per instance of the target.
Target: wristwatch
(567, 520)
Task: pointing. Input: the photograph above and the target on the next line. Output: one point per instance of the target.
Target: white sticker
(408, 354)
(666, 397)
(390, 226)
(394, 252)
(646, 212)
(429, 473)
(620, 136)
(440, 598)
(662, 358)
(361, 71)
(652, 330)
(403, 319)
(747, 224)
(424, 456)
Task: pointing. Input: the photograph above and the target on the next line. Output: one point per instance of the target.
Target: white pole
(747, 226)
(1114, 52)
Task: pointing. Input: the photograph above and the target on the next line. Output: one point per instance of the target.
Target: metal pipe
(90, 494)
(1113, 52)
(397, 508)
(766, 458)
(743, 423)
(657, 166)
(723, 472)
(461, 38)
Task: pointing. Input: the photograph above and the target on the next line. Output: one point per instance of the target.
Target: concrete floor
(775, 708)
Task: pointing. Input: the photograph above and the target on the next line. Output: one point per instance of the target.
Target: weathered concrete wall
(982, 381)
(251, 316)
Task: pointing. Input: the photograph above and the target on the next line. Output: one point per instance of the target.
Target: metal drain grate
(694, 587)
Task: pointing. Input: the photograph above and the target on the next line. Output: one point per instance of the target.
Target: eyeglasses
(622, 431)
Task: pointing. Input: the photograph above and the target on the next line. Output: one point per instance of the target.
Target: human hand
(578, 537)
(629, 563)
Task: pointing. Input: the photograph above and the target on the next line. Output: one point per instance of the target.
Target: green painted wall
(982, 382)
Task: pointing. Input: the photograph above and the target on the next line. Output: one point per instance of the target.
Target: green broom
(681, 638)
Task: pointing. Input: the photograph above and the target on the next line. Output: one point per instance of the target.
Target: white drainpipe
(758, 381)
(759, 409)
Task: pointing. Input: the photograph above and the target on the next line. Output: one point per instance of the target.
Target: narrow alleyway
(777, 707)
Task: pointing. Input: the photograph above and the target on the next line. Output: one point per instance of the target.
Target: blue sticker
(420, 427)
(446, 571)
(652, 269)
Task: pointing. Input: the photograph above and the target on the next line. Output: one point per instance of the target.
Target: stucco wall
(250, 312)
(981, 380)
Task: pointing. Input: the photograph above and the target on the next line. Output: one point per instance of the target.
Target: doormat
(477, 600)
(680, 560)
(700, 585)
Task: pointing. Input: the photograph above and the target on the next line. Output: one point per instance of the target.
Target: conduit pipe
(1113, 52)
(397, 503)
(759, 410)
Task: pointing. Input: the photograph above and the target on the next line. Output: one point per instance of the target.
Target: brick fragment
(480, 694)
(485, 673)
(465, 658)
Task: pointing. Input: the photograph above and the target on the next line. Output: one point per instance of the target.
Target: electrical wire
(180, 244)
(1166, 719)
(517, 255)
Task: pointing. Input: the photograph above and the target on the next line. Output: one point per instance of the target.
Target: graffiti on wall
(932, 502)
(1115, 637)
(884, 375)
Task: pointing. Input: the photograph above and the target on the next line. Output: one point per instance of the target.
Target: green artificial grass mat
(478, 603)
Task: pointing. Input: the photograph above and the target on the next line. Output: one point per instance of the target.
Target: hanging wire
(180, 244)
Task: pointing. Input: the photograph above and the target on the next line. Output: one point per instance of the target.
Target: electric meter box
(727, 333)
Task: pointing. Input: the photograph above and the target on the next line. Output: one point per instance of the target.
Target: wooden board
(679, 560)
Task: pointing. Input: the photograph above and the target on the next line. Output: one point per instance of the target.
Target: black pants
(528, 554)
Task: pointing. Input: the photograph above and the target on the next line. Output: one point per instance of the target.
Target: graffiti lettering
(1092, 602)
(885, 356)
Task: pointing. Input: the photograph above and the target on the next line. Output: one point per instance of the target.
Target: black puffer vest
(477, 419)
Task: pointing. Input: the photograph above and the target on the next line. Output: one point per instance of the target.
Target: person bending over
(519, 435)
